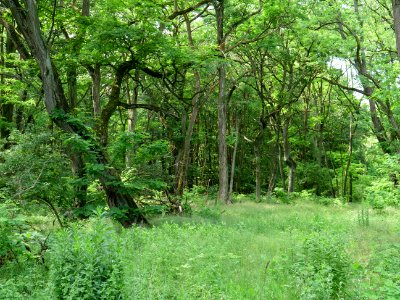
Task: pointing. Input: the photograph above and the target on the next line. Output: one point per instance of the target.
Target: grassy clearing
(243, 251)
(249, 250)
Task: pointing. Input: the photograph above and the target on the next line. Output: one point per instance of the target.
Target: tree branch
(342, 86)
(188, 10)
(16, 39)
(146, 106)
(242, 20)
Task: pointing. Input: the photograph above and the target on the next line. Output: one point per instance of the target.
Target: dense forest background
(146, 107)
(113, 100)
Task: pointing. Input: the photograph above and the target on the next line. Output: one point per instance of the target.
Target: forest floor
(247, 250)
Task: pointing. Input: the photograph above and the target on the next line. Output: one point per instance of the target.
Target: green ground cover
(247, 250)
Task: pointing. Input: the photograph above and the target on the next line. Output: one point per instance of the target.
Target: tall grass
(243, 251)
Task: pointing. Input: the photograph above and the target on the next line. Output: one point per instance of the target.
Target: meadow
(248, 250)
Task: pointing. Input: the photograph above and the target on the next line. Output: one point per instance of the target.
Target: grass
(250, 247)
(252, 251)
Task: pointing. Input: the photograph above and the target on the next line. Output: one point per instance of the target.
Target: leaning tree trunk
(57, 107)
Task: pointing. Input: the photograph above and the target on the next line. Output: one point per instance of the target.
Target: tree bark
(86, 8)
(396, 23)
(223, 194)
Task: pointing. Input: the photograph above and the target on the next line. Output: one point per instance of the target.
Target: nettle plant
(19, 242)
(85, 262)
(322, 267)
(11, 240)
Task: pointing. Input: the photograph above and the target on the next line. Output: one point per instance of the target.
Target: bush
(85, 262)
(322, 267)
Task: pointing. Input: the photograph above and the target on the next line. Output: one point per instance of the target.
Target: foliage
(245, 251)
(322, 267)
(314, 177)
(35, 169)
(13, 225)
(384, 273)
(85, 262)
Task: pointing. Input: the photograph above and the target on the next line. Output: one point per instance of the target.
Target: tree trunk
(85, 8)
(288, 159)
(132, 115)
(95, 73)
(79, 170)
(272, 179)
(257, 152)
(72, 85)
(233, 164)
(352, 130)
(280, 164)
(181, 176)
(223, 194)
(396, 23)
(7, 109)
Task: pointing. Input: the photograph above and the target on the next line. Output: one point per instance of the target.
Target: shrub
(85, 262)
(322, 267)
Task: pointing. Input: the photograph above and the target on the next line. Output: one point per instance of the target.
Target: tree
(25, 15)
